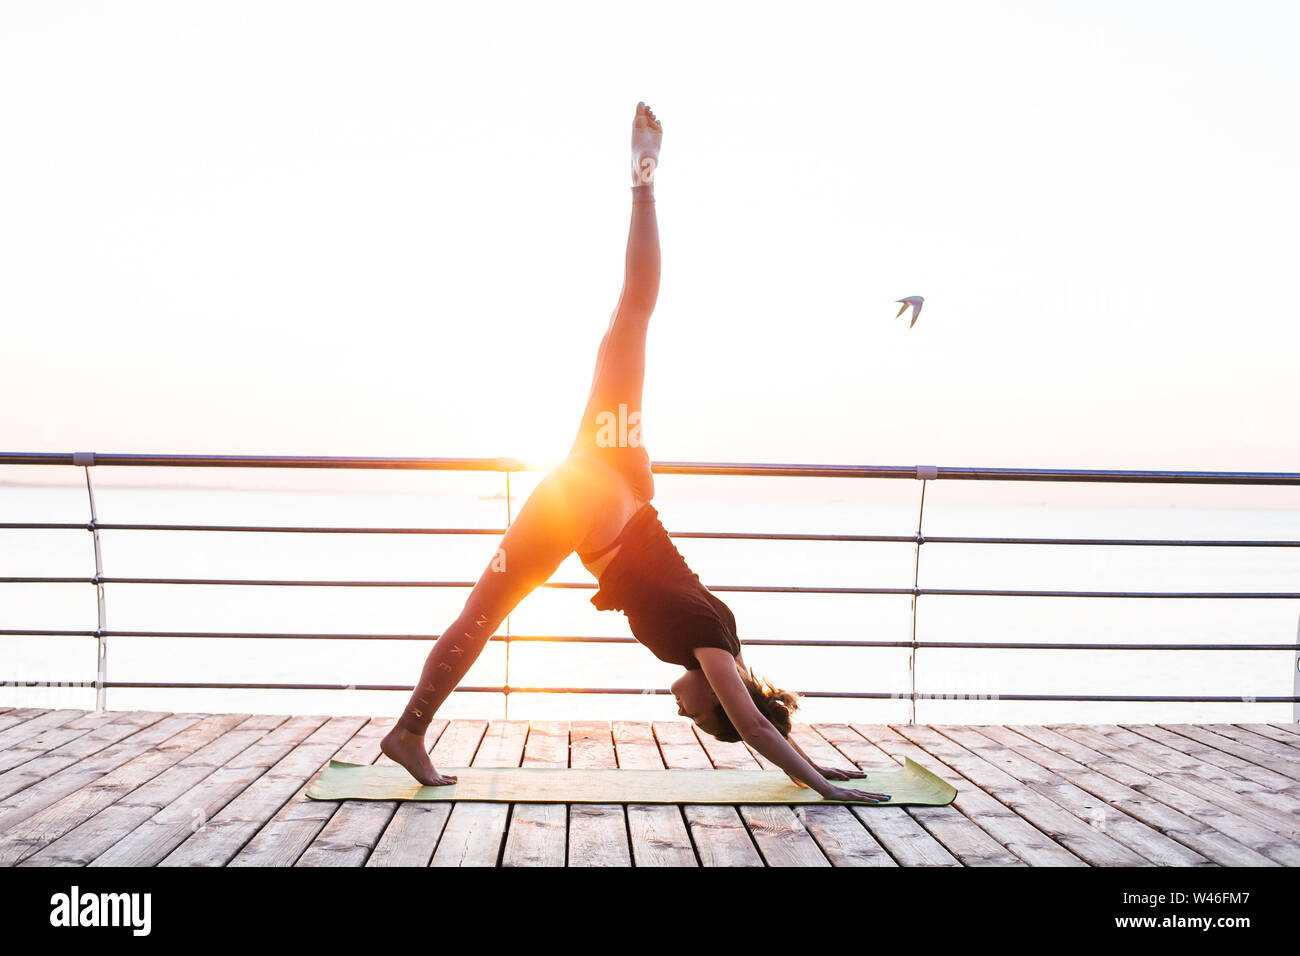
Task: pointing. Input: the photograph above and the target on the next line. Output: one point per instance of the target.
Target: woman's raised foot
(647, 135)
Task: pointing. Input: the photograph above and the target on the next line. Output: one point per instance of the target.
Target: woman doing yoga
(597, 503)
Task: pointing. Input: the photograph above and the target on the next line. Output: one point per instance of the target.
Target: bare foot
(405, 748)
(647, 134)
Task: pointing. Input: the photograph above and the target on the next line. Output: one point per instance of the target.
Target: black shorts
(631, 462)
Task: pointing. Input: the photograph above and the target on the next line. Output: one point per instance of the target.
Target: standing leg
(549, 526)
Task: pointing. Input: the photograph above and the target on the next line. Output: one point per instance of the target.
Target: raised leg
(611, 422)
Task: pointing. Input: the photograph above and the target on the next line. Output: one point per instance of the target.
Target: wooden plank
(598, 833)
(547, 744)
(958, 837)
(43, 768)
(1275, 733)
(657, 832)
(41, 742)
(350, 834)
(538, 831)
(1152, 781)
(1257, 786)
(20, 715)
(679, 747)
(284, 839)
(37, 830)
(718, 831)
(1091, 809)
(907, 842)
(134, 742)
(727, 756)
(1253, 791)
(37, 725)
(1128, 791)
(93, 718)
(176, 819)
(114, 828)
(475, 831)
(1277, 757)
(232, 829)
(1286, 728)
(1206, 782)
(590, 742)
(356, 826)
(1204, 769)
(635, 746)
(840, 834)
(1003, 825)
(1056, 822)
(779, 834)
(413, 833)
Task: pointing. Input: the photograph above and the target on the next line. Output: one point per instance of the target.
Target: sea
(954, 685)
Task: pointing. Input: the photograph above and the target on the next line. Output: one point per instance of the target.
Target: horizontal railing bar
(46, 580)
(45, 525)
(663, 468)
(653, 691)
(755, 589)
(1234, 699)
(709, 535)
(1043, 645)
(286, 529)
(270, 461)
(1131, 542)
(586, 639)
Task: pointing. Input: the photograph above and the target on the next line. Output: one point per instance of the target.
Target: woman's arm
(832, 773)
(719, 667)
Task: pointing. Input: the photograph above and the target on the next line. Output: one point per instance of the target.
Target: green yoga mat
(911, 784)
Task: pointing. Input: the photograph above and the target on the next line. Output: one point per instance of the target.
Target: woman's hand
(843, 793)
(834, 773)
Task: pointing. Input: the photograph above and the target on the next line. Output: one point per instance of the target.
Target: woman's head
(696, 700)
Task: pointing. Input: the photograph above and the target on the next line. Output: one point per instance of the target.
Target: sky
(391, 228)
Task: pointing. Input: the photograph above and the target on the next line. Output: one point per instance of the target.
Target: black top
(667, 607)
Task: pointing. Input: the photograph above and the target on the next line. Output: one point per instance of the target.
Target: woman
(597, 503)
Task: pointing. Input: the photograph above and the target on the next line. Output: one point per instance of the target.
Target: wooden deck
(137, 788)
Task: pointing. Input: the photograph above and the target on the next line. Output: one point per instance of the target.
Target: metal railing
(925, 474)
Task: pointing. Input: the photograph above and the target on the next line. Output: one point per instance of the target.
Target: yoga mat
(911, 784)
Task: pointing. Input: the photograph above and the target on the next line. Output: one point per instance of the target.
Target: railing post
(924, 473)
(1295, 676)
(509, 518)
(86, 460)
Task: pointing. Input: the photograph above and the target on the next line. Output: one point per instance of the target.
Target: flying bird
(915, 301)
